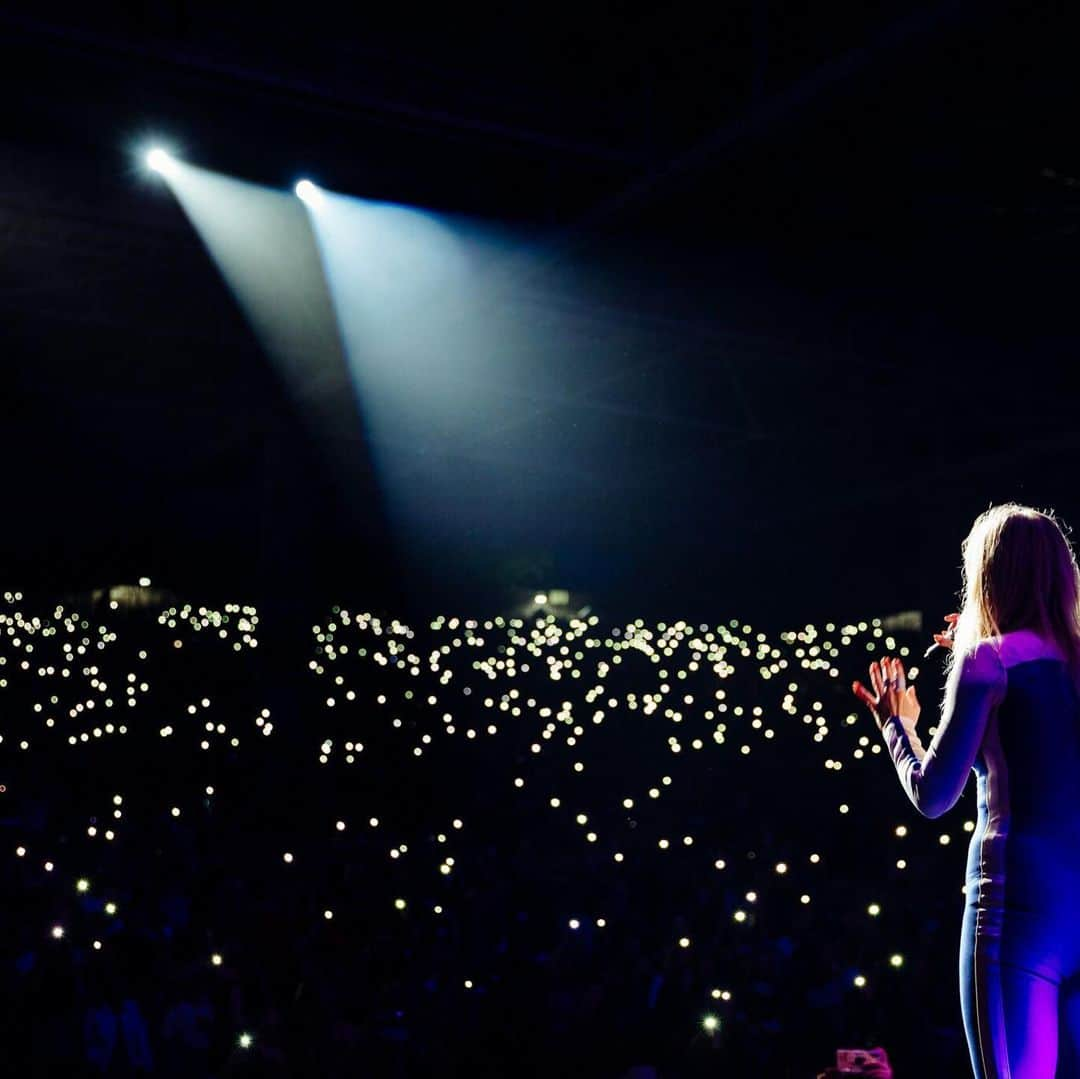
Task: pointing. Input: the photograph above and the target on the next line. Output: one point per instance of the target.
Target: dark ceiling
(817, 267)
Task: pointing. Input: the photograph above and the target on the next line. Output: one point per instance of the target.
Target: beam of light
(427, 352)
(472, 376)
(476, 366)
(262, 244)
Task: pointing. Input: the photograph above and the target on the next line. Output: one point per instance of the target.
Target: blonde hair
(1019, 572)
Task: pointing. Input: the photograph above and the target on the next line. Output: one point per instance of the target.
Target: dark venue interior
(445, 587)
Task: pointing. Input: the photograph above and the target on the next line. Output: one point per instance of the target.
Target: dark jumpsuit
(1010, 712)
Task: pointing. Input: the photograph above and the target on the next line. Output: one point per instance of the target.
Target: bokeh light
(434, 764)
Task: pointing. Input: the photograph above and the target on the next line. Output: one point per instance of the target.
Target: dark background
(839, 238)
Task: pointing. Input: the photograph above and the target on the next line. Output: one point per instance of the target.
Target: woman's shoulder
(1022, 646)
(981, 663)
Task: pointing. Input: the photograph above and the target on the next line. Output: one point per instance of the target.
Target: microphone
(949, 633)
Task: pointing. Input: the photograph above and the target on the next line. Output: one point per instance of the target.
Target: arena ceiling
(805, 210)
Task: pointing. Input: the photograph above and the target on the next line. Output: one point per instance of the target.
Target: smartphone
(853, 1060)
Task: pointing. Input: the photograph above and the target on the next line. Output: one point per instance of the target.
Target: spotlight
(307, 192)
(160, 161)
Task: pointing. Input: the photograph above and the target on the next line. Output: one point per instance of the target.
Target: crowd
(518, 846)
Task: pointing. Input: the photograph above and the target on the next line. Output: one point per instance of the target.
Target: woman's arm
(935, 778)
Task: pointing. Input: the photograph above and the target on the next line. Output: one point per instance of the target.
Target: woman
(1011, 711)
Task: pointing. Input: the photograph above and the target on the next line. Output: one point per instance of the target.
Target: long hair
(1019, 572)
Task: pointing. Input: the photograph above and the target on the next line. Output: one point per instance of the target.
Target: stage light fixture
(161, 161)
(307, 192)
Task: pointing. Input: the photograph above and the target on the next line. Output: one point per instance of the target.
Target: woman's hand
(892, 695)
(941, 638)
